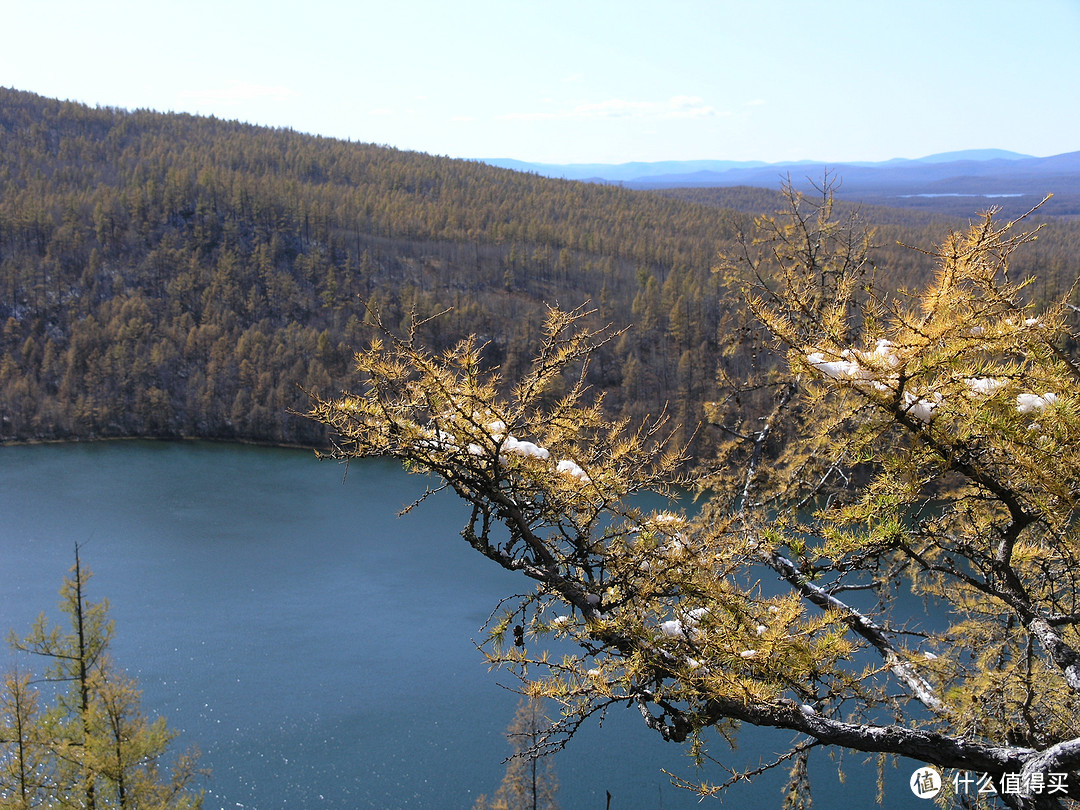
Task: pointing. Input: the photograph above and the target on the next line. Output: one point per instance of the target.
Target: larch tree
(26, 772)
(885, 560)
(530, 782)
(94, 747)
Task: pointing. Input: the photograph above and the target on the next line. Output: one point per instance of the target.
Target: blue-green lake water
(318, 649)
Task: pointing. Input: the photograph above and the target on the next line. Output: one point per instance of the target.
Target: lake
(315, 647)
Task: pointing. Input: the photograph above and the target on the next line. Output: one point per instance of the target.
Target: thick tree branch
(860, 624)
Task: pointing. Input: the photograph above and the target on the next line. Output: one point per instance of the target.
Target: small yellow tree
(926, 443)
(94, 748)
(26, 771)
(530, 782)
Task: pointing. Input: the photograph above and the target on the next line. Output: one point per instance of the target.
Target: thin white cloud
(675, 107)
(613, 108)
(237, 91)
(689, 107)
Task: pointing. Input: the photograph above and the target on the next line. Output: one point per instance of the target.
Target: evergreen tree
(928, 442)
(530, 782)
(133, 264)
(26, 771)
(94, 748)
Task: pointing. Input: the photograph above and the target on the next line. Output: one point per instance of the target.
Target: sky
(580, 81)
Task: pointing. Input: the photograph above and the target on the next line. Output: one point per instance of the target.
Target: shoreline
(164, 439)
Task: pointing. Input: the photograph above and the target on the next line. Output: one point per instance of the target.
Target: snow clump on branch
(687, 627)
(984, 386)
(510, 444)
(873, 371)
(1028, 403)
(523, 448)
(568, 467)
(922, 408)
(858, 365)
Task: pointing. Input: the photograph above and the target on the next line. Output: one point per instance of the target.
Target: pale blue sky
(580, 80)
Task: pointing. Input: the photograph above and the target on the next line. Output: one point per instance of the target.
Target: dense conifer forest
(166, 275)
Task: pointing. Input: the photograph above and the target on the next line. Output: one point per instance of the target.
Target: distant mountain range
(986, 173)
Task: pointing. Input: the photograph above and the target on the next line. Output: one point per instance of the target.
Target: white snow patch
(838, 369)
(697, 614)
(922, 407)
(853, 364)
(569, 467)
(667, 517)
(526, 449)
(985, 386)
(1027, 403)
(687, 627)
(672, 628)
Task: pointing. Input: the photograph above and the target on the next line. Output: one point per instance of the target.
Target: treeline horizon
(167, 275)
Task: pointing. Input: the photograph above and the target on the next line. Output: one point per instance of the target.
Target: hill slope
(172, 275)
(169, 275)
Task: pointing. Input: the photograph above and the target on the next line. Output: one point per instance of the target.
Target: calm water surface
(316, 648)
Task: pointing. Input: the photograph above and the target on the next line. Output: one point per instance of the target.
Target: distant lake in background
(316, 648)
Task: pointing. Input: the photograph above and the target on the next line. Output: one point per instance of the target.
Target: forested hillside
(169, 275)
